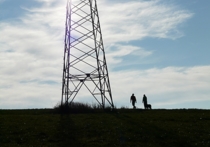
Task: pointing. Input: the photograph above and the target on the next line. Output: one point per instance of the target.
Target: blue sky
(155, 47)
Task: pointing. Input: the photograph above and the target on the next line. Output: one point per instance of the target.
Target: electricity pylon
(84, 56)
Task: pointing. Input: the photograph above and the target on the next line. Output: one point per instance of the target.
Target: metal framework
(84, 56)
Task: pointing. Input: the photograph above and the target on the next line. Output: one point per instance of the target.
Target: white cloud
(115, 53)
(135, 20)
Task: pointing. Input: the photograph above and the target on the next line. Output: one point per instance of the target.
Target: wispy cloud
(116, 52)
(135, 20)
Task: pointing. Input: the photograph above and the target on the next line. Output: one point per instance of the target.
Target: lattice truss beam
(84, 55)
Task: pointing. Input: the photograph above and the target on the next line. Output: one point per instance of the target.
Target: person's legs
(145, 105)
(133, 103)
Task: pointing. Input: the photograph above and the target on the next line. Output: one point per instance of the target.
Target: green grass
(121, 128)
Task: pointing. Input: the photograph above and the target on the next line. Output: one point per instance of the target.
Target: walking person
(144, 100)
(133, 100)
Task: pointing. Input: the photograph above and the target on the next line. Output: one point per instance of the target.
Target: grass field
(121, 128)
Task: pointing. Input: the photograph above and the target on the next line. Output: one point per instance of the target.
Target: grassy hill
(120, 128)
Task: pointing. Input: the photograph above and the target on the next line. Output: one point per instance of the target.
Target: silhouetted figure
(133, 100)
(146, 106)
(144, 100)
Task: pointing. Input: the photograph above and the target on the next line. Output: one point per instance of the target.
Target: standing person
(144, 100)
(133, 100)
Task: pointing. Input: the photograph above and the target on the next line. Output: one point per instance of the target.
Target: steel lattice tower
(84, 56)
